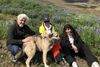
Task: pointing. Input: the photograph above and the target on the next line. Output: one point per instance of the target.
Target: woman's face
(68, 30)
(21, 22)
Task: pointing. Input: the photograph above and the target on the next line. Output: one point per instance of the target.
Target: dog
(44, 44)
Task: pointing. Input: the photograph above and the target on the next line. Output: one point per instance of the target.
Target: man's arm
(29, 31)
(11, 36)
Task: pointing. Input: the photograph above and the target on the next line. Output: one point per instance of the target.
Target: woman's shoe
(61, 63)
(95, 64)
(74, 64)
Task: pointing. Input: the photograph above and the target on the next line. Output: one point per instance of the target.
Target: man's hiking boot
(13, 59)
(17, 56)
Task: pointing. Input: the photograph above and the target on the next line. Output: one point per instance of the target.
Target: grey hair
(23, 16)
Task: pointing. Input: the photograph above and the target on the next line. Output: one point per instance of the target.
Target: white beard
(48, 30)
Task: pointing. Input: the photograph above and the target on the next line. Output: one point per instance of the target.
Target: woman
(72, 45)
(18, 34)
(45, 29)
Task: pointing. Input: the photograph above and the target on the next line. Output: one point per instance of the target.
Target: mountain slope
(87, 8)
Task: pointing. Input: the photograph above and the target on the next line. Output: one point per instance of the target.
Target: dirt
(76, 6)
(5, 60)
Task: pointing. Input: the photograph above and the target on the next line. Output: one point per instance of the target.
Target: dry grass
(6, 62)
(76, 7)
(7, 17)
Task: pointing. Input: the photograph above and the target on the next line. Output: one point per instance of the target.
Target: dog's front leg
(28, 61)
(45, 58)
(30, 50)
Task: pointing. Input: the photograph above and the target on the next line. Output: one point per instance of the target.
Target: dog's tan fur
(43, 44)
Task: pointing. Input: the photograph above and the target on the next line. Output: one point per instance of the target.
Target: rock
(0, 45)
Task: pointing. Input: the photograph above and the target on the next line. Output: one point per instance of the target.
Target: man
(47, 28)
(17, 33)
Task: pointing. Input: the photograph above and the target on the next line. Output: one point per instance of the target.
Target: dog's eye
(50, 35)
(56, 35)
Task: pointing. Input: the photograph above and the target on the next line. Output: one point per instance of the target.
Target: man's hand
(27, 39)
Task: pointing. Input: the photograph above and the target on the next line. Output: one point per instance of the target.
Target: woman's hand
(74, 48)
(27, 39)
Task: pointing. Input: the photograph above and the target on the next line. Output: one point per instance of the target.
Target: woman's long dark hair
(64, 37)
(74, 32)
(68, 26)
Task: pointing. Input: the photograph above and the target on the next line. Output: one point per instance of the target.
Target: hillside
(5, 59)
(78, 7)
(84, 17)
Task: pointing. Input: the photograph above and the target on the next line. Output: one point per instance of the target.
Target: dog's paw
(46, 65)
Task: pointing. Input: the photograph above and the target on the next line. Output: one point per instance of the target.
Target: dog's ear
(55, 34)
(50, 35)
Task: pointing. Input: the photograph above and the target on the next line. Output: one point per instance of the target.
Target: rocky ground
(77, 7)
(5, 60)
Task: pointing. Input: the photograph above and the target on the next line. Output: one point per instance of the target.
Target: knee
(13, 49)
(16, 48)
(70, 59)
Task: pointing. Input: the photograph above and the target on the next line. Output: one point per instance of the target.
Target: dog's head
(53, 37)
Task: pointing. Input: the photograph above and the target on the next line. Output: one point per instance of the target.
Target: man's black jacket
(16, 34)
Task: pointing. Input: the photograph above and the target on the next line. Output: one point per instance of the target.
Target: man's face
(21, 22)
(47, 24)
(46, 21)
